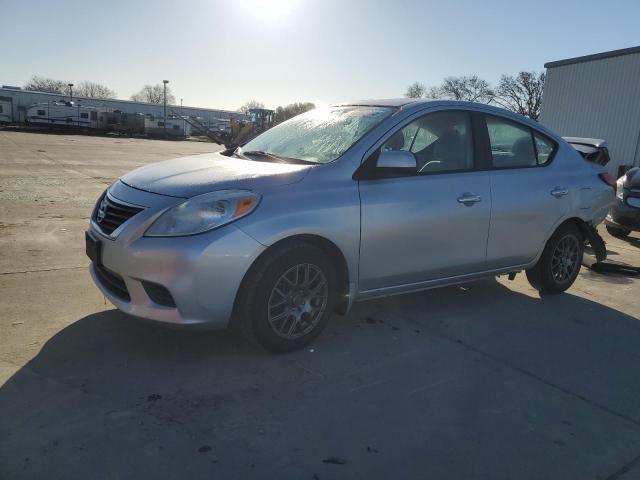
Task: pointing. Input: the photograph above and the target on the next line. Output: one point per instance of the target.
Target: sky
(222, 53)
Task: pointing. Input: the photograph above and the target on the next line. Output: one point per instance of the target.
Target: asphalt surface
(484, 381)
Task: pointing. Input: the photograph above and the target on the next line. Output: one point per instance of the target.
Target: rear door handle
(559, 192)
(469, 199)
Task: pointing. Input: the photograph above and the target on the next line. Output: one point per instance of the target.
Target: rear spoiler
(592, 149)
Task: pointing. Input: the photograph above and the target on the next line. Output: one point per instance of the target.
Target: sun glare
(269, 10)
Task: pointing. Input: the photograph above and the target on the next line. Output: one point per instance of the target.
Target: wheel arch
(332, 251)
(578, 222)
(582, 225)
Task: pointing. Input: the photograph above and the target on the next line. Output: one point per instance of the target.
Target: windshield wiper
(278, 158)
(261, 153)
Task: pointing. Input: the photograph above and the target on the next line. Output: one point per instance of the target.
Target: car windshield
(320, 135)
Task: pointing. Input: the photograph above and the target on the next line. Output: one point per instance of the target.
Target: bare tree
(249, 105)
(415, 90)
(433, 93)
(522, 93)
(291, 110)
(153, 94)
(93, 90)
(45, 84)
(467, 88)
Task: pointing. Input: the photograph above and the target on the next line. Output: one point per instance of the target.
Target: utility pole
(184, 124)
(70, 85)
(165, 106)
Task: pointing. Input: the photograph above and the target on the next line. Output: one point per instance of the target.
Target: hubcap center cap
(298, 299)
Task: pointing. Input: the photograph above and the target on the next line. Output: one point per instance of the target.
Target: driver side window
(441, 141)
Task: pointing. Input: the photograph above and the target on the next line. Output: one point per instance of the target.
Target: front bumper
(624, 216)
(202, 273)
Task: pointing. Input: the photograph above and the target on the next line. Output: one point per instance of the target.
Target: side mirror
(397, 159)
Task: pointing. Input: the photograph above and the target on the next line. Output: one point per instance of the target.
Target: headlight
(620, 187)
(203, 213)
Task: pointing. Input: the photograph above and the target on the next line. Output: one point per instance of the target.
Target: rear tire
(287, 297)
(618, 232)
(560, 261)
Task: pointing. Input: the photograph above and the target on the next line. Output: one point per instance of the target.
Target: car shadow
(112, 397)
(631, 240)
(617, 268)
(614, 270)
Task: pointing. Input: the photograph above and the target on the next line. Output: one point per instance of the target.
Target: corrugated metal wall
(23, 99)
(600, 99)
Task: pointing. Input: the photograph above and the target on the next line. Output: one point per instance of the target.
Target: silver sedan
(343, 204)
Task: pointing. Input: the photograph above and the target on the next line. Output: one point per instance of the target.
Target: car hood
(186, 177)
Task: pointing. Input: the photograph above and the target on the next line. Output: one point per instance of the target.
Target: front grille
(110, 214)
(113, 283)
(159, 294)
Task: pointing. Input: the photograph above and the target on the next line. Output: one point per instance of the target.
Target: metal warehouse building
(20, 100)
(597, 96)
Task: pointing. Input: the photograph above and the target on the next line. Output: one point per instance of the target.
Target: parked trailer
(130, 124)
(5, 112)
(120, 122)
(175, 127)
(67, 114)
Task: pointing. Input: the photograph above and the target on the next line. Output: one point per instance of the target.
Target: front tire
(618, 232)
(287, 297)
(560, 261)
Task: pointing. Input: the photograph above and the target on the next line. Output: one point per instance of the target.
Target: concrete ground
(484, 381)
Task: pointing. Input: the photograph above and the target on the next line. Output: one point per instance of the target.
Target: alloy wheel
(564, 260)
(297, 301)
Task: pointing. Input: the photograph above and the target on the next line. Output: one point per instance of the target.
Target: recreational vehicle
(62, 114)
(129, 123)
(175, 127)
(5, 112)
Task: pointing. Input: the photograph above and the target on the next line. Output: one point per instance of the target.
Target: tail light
(608, 179)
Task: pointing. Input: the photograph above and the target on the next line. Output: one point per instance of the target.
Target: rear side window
(84, 115)
(41, 112)
(516, 146)
(511, 144)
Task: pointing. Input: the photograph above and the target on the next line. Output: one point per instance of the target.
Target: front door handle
(559, 192)
(469, 199)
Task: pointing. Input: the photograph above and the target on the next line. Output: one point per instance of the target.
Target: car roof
(418, 103)
(384, 102)
(409, 105)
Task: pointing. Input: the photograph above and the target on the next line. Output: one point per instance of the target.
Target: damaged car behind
(624, 217)
(343, 204)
